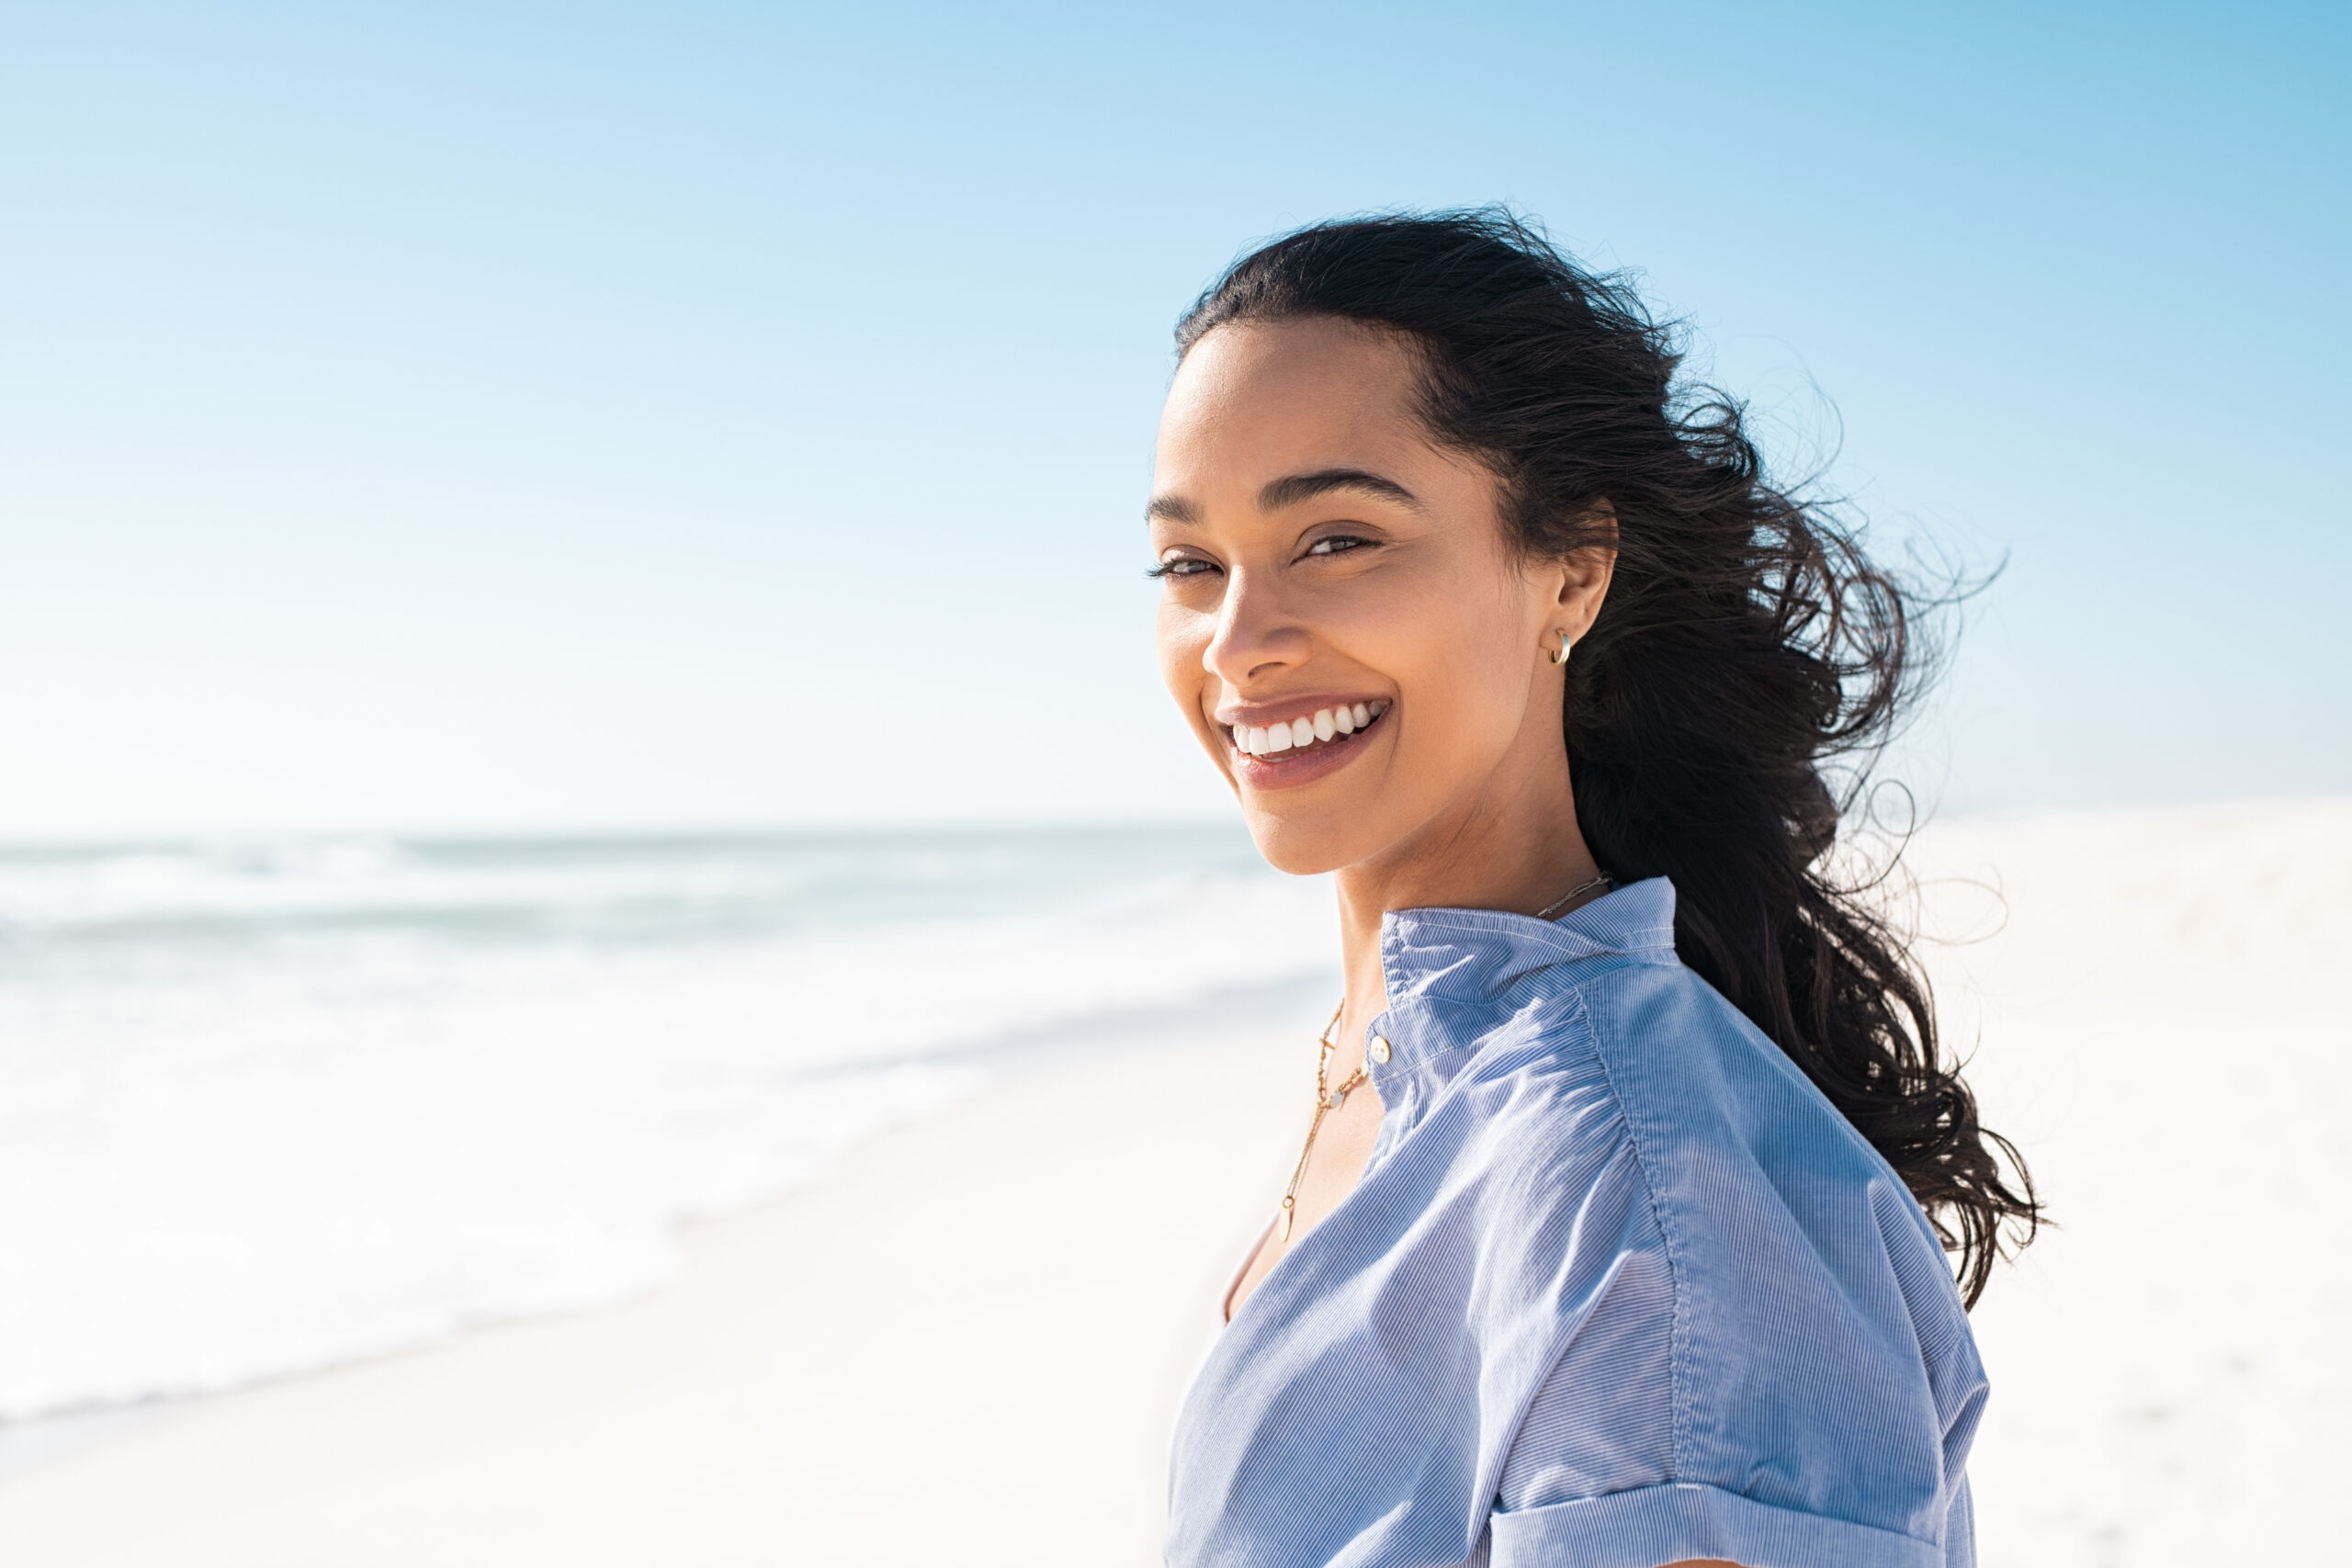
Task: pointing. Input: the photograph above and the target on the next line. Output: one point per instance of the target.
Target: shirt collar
(1473, 954)
(1433, 957)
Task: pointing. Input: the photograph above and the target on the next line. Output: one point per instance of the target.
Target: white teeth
(1327, 723)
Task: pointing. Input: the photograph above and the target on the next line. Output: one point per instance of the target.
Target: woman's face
(1324, 564)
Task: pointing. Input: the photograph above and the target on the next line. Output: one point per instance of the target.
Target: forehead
(1251, 403)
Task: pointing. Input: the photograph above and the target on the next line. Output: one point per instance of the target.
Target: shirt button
(1380, 1048)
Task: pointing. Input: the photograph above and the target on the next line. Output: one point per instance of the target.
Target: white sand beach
(966, 1345)
(2161, 1023)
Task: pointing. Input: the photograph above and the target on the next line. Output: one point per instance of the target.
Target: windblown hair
(1746, 644)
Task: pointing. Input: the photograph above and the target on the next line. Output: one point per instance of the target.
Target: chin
(1306, 843)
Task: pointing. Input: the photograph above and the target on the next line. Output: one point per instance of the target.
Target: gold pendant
(1281, 1230)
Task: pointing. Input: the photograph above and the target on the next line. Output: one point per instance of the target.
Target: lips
(1283, 753)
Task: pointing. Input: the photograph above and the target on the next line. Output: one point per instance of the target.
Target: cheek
(1182, 638)
(1462, 673)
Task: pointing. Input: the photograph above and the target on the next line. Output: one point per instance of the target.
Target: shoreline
(28, 1443)
(964, 1344)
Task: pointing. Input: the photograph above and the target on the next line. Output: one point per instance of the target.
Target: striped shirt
(1617, 1288)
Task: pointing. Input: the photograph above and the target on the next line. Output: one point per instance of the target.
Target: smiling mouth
(1324, 727)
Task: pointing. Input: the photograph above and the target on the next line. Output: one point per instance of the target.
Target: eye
(1336, 543)
(1182, 565)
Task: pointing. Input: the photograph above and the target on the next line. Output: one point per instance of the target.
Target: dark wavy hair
(1746, 644)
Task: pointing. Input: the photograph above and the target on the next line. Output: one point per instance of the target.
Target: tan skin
(1318, 548)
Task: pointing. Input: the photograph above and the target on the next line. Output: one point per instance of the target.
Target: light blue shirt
(1619, 1287)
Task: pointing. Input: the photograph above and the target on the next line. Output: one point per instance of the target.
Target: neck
(1517, 848)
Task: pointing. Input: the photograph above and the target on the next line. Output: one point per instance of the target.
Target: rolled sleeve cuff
(1658, 1525)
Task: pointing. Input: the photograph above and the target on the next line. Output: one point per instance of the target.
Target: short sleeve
(1659, 1525)
(1767, 1448)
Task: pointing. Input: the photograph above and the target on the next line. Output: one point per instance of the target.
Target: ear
(1580, 578)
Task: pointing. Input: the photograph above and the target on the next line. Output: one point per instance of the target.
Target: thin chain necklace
(1325, 1098)
(1330, 1099)
(1572, 894)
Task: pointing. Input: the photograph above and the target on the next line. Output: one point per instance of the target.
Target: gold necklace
(1325, 1098)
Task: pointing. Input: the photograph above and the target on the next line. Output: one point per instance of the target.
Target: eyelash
(1169, 569)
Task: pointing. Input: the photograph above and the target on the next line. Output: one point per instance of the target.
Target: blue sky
(507, 416)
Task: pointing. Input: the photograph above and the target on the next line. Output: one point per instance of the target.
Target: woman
(1619, 1236)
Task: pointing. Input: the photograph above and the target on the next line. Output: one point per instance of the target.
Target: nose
(1255, 635)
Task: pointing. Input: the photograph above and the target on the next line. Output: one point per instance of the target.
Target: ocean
(269, 1104)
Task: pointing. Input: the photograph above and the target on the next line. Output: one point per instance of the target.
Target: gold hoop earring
(1561, 655)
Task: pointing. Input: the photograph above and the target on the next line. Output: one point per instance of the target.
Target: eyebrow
(1291, 488)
